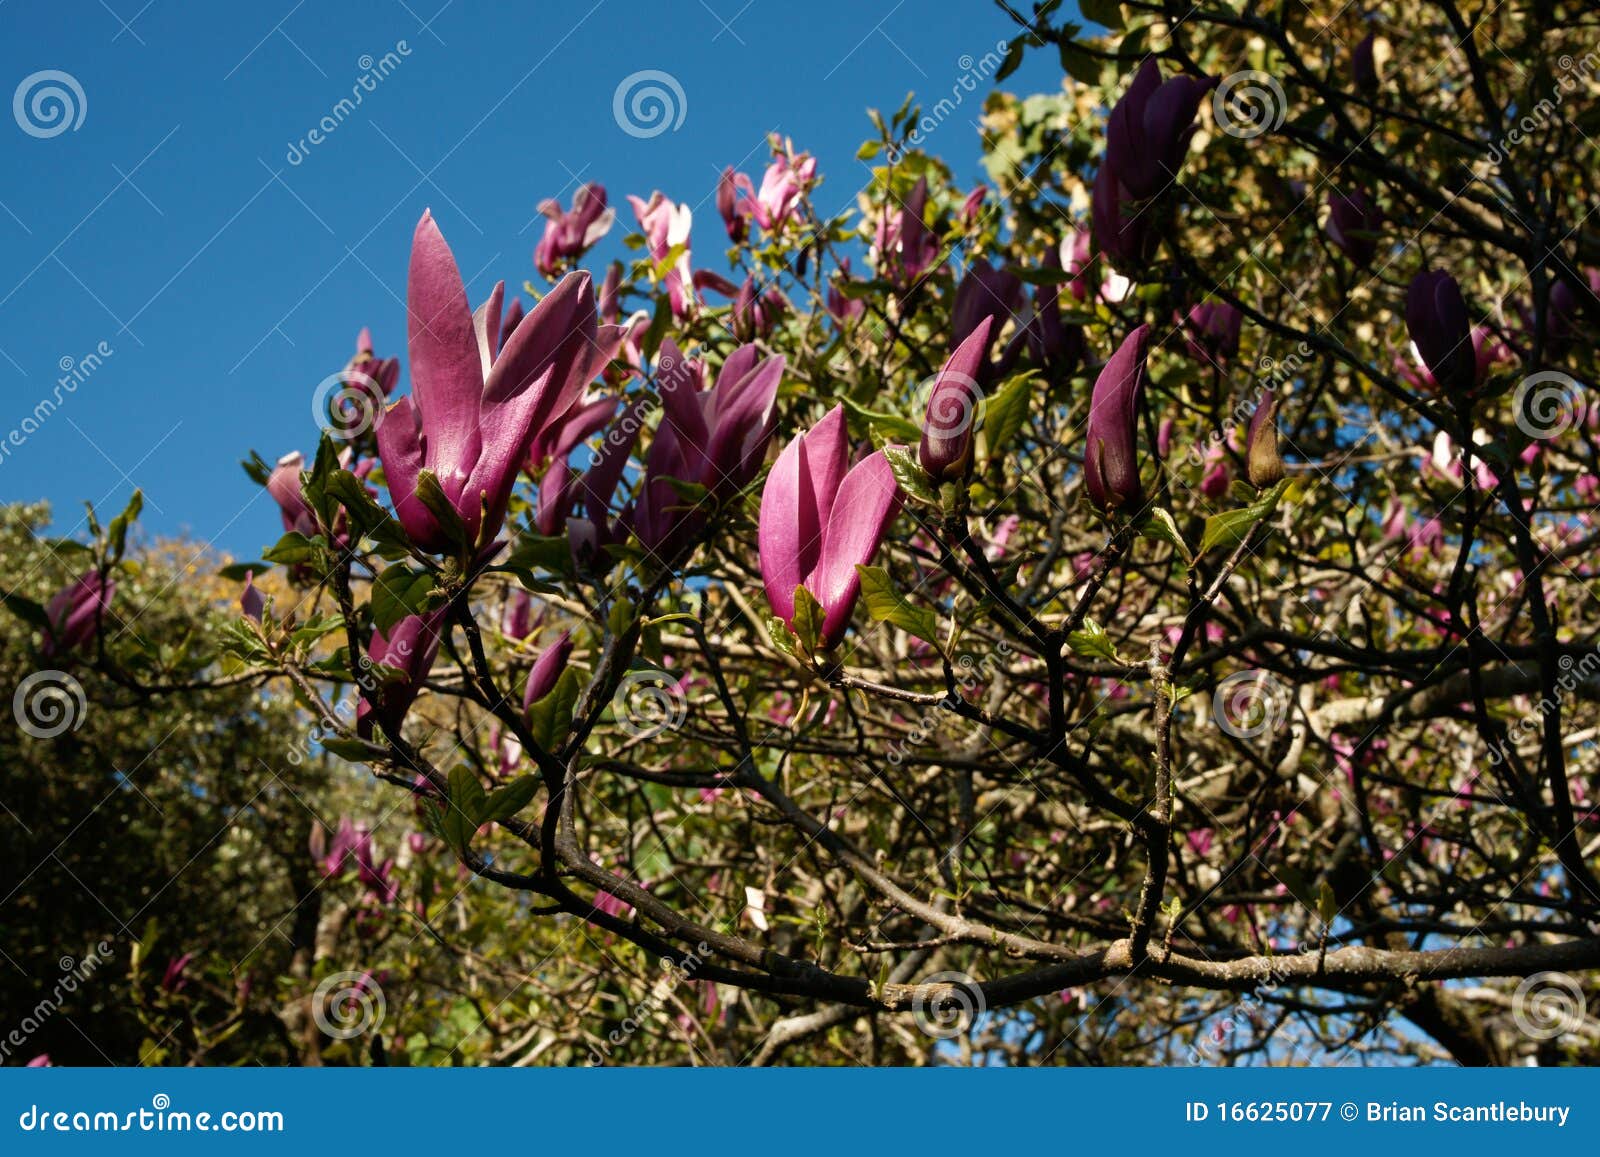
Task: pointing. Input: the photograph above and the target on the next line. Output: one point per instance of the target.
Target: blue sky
(172, 228)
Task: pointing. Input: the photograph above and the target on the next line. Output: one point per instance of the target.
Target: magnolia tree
(1138, 609)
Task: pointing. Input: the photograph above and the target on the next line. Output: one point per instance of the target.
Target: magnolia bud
(1262, 459)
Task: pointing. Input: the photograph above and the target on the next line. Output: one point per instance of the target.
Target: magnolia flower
(1353, 224)
(1487, 352)
(1436, 317)
(904, 246)
(568, 235)
(546, 671)
(409, 647)
(734, 220)
(983, 294)
(516, 618)
(74, 613)
(1364, 65)
(251, 601)
(820, 519)
(1111, 455)
(1211, 331)
(714, 438)
(475, 408)
(1147, 135)
(1262, 458)
(367, 369)
(946, 448)
(284, 486)
(173, 979)
(755, 313)
(840, 305)
(778, 199)
(666, 226)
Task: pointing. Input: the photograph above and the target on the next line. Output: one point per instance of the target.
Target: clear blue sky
(226, 281)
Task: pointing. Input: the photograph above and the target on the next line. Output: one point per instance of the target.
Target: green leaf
(1107, 13)
(27, 610)
(117, 534)
(908, 472)
(896, 428)
(503, 803)
(236, 572)
(355, 750)
(538, 552)
(782, 637)
(1005, 411)
(1013, 59)
(1092, 642)
(293, 549)
(550, 718)
(868, 150)
(463, 814)
(1160, 525)
(366, 516)
(1077, 63)
(432, 496)
(1231, 527)
(808, 616)
(399, 592)
(885, 604)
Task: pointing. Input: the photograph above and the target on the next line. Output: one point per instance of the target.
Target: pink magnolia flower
(820, 519)
(410, 647)
(75, 612)
(568, 235)
(476, 407)
(904, 247)
(666, 226)
(547, 670)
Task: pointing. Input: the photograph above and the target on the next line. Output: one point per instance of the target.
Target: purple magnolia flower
(284, 486)
(1147, 135)
(1436, 318)
(570, 234)
(1053, 344)
(410, 647)
(1353, 224)
(1211, 331)
(1111, 453)
(984, 294)
(754, 314)
(778, 199)
(367, 369)
(173, 979)
(714, 438)
(546, 671)
(75, 612)
(475, 408)
(1364, 65)
(843, 307)
(666, 226)
(1149, 129)
(973, 205)
(946, 448)
(516, 618)
(820, 519)
(906, 247)
(1263, 461)
(251, 601)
